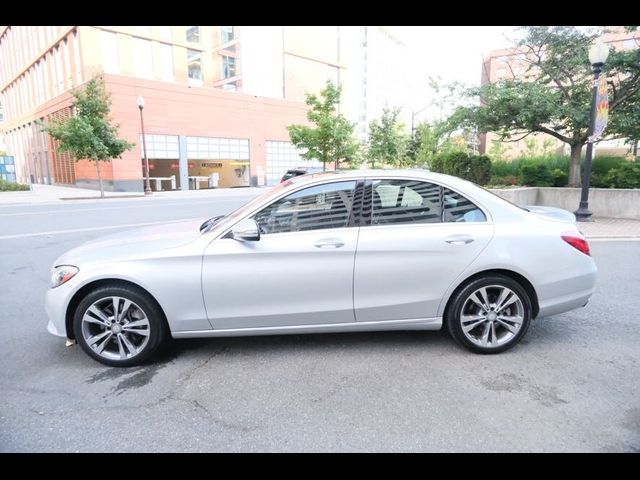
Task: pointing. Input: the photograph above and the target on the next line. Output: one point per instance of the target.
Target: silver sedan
(346, 252)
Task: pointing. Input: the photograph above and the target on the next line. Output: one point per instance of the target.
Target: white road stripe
(89, 229)
(128, 207)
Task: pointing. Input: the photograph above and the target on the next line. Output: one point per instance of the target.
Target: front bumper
(56, 302)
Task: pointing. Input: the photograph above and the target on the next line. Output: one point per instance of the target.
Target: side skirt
(411, 324)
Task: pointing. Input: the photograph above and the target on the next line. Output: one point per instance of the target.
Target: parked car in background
(296, 172)
(363, 251)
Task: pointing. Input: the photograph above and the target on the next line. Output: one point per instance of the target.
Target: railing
(158, 182)
(197, 179)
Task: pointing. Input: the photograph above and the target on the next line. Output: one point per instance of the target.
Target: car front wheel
(119, 325)
(490, 314)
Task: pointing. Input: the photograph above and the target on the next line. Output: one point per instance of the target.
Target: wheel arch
(521, 279)
(104, 282)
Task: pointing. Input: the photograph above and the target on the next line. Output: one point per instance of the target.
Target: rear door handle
(329, 243)
(459, 239)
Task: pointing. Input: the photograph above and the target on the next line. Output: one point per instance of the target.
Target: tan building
(511, 63)
(217, 98)
(195, 126)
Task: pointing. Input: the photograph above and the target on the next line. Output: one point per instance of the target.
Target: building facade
(217, 98)
(510, 63)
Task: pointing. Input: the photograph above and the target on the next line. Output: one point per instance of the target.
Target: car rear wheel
(490, 314)
(119, 326)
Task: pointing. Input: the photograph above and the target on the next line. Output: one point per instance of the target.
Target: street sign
(602, 109)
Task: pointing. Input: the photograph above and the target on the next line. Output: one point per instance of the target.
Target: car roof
(381, 173)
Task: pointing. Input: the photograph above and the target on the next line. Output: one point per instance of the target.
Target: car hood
(552, 213)
(133, 243)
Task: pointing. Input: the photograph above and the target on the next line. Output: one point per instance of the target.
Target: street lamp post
(147, 184)
(598, 54)
(413, 116)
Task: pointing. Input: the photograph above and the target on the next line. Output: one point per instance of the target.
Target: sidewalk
(611, 229)
(54, 194)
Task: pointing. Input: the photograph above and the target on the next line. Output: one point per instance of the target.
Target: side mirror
(246, 230)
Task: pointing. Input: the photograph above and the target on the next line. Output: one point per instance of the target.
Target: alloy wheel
(115, 328)
(492, 316)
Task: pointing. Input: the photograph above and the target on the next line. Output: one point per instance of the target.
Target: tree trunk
(575, 178)
(99, 179)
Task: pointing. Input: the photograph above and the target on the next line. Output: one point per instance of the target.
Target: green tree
(553, 93)
(498, 150)
(387, 142)
(331, 139)
(429, 139)
(89, 133)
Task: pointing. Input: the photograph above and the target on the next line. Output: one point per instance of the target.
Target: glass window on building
(142, 58)
(194, 64)
(228, 66)
(57, 58)
(110, 52)
(166, 61)
(193, 34)
(226, 34)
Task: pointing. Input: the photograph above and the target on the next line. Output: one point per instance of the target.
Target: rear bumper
(569, 293)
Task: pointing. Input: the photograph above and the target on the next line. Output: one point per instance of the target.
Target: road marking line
(65, 211)
(89, 229)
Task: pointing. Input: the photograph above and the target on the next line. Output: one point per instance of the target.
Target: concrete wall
(603, 202)
(519, 196)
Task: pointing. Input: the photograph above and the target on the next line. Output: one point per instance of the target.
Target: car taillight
(577, 241)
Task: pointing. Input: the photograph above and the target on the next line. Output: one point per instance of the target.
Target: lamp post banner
(602, 110)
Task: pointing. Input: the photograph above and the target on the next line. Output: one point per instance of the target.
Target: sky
(453, 53)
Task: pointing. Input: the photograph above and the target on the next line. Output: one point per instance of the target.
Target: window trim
(368, 200)
(351, 221)
(359, 182)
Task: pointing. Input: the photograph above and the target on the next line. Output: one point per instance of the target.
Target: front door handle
(329, 243)
(459, 239)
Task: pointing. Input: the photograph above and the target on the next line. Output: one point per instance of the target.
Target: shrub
(436, 163)
(475, 168)
(479, 169)
(602, 165)
(503, 168)
(506, 180)
(11, 187)
(535, 175)
(627, 175)
(560, 178)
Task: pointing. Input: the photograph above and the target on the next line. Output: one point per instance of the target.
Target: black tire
(157, 330)
(459, 299)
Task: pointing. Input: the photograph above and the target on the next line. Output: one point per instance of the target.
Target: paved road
(572, 384)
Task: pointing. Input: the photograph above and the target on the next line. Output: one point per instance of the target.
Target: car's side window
(460, 209)
(405, 201)
(313, 208)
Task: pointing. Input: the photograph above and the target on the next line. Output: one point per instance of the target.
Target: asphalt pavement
(571, 385)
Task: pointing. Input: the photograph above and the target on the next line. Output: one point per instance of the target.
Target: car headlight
(62, 274)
